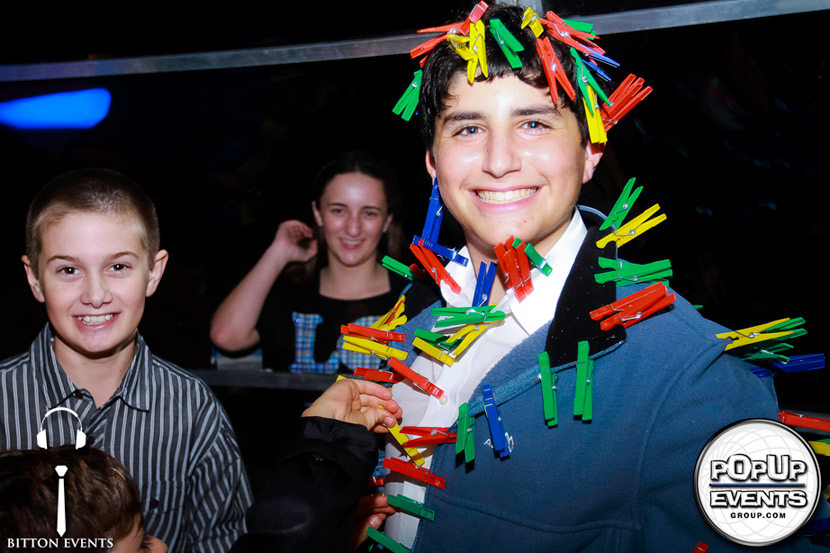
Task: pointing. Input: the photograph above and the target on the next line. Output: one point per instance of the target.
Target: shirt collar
(134, 389)
(546, 289)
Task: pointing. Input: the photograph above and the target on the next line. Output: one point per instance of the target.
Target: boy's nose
(501, 155)
(96, 292)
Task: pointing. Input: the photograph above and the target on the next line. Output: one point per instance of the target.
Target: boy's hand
(357, 402)
(295, 241)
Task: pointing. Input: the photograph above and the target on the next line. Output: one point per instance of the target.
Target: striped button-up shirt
(164, 425)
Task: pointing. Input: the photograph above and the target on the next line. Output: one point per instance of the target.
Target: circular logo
(757, 482)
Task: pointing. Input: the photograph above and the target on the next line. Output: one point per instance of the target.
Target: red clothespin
(630, 93)
(701, 548)
(635, 307)
(509, 264)
(420, 381)
(434, 267)
(431, 435)
(409, 469)
(460, 28)
(803, 421)
(427, 46)
(377, 482)
(524, 268)
(384, 336)
(377, 375)
(553, 70)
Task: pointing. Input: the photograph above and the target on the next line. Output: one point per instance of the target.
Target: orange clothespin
(434, 267)
(803, 421)
(431, 435)
(384, 336)
(635, 307)
(553, 70)
(377, 375)
(408, 469)
(420, 381)
(630, 93)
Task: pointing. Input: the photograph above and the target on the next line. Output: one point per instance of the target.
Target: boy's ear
(317, 215)
(31, 276)
(430, 162)
(159, 264)
(593, 153)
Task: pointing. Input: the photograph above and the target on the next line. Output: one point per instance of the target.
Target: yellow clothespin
(633, 228)
(820, 447)
(369, 347)
(753, 334)
(530, 18)
(479, 51)
(392, 318)
(433, 351)
(402, 438)
(470, 332)
(596, 127)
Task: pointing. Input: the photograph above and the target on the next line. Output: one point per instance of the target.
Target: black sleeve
(312, 493)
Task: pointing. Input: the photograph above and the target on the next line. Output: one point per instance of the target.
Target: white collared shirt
(461, 379)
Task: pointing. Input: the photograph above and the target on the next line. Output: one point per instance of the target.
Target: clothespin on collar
(548, 390)
(515, 268)
(408, 102)
(434, 267)
(633, 228)
(535, 257)
(530, 18)
(431, 435)
(625, 273)
(407, 505)
(465, 437)
(497, 433)
(408, 469)
(445, 252)
(583, 396)
(622, 206)
(634, 308)
(484, 284)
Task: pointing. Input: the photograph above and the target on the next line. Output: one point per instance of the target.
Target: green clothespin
(584, 78)
(386, 541)
(535, 257)
(507, 42)
(625, 273)
(583, 402)
(466, 315)
(465, 434)
(409, 101)
(581, 26)
(622, 206)
(410, 506)
(548, 390)
(435, 338)
(397, 267)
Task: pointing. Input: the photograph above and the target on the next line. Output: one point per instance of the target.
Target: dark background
(732, 143)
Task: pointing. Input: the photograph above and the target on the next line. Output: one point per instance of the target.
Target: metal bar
(605, 24)
(264, 379)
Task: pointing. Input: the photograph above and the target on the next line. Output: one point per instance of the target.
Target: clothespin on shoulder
(497, 433)
(430, 435)
(548, 390)
(408, 469)
(484, 284)
(507, 42)
(407, 505)
(408, 102)
(625, 273)
(803, 421)
(760, 333)
(701, 548)
(622, 206)
(799, 363)
(633, 228)
(583, 396)
(465, 434)
(634, 308)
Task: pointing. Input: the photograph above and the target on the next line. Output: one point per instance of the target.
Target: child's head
(101, 499)
(93, 257)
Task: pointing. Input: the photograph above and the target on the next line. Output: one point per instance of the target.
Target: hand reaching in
(358, 402)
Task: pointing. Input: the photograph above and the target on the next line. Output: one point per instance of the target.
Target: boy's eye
(68, 270)
(469, 130)
(535, 125)
(119, 267)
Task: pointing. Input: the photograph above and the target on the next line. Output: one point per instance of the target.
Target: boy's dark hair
(92, 191)
(102, 500)
(443, 64)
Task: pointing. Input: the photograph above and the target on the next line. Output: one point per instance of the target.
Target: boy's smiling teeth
(503, 197)
(94, 319)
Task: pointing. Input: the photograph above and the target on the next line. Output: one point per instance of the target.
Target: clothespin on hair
(431, 435)
(465, 434)
(583, 396)
(622, 206)
(408, 469)
(478, 60)
(407, 505)
(633, 228)
(585, 80)
(803, 421)
(554, 72)
(406, 105)
(497, 433)
(630, 93)
(530, 18)
(484, 284)
(625, 273)
(548, 390)
(508, 43)
(418, 380)
(634, 308)
(386, 541)
(596, 129)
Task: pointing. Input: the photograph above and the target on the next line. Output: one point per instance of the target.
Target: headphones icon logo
(80, 437)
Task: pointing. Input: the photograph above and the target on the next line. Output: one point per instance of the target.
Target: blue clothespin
(484, 284)
(603, 58)
(435, 213)
(445, 252)
(622, 206)
(600, 73)
(798, 363)
(497, 434)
